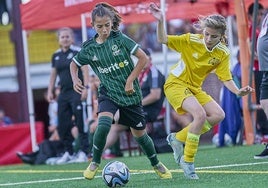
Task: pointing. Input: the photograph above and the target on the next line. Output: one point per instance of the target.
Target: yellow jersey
(197, 61)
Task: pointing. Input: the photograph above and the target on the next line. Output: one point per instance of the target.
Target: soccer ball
(115, 173)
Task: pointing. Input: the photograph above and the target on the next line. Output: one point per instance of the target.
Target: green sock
(147, 146)
(115, 149)
(99, 138)
(90, 139)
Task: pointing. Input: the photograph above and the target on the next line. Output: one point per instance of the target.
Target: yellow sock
(191, 146)
(182, 135)
(206, 127)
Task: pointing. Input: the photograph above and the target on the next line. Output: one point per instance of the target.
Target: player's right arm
(77, 83)
(161, 32)
(51, 85)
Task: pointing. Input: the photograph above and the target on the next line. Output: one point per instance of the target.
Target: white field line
(200, 169)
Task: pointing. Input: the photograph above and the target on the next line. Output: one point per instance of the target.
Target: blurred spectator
(232, 123)
(70, 103)
(4, 120)
(149, 39)
(261, 118)
(49, 151)
(53, 116)
(262, 50)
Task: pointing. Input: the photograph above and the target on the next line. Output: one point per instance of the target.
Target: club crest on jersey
(214, 61)
(115, 50)
(70, 55)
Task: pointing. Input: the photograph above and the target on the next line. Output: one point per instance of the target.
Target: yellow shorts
(177, 91)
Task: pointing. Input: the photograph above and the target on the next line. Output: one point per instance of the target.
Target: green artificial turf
(216, 167)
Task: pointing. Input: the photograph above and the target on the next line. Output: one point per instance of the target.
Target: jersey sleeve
(130, 44)
(223, 71)
(81, 58)
(177, 42)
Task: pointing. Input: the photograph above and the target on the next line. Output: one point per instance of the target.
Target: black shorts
(264, 86)
(131, 116)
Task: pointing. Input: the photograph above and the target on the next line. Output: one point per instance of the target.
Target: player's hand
(156, 11)
(78, 86)
(129, 88)
(245, 90)
(50, 97)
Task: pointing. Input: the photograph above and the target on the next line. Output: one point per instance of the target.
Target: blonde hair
(65, 29)
(214, 21)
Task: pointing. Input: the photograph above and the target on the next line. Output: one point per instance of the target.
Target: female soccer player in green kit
(109, 56)
(201, 54)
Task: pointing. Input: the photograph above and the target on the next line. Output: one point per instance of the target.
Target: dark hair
(105, 9)
(251, 8)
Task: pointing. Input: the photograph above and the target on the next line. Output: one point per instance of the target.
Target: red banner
(16, 138)
(46, 14)
(53, 14)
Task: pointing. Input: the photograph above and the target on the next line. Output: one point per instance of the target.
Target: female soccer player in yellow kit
(201, 54)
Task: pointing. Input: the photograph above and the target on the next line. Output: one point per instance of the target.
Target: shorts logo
(187, 92)
(139, 125)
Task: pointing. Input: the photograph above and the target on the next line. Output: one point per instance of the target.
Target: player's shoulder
(196, 38)
(222, 47)
(57, 52)
(88, 42)
(115, 34)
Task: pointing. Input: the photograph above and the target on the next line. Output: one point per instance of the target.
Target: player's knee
(200, 116)
(218, 116)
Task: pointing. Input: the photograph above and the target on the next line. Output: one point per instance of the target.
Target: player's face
(65, 39)
(103, 26)
(211, 37)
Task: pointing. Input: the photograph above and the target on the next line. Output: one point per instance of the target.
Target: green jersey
(112, 63)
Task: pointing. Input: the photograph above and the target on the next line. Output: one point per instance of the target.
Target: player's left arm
(234, 89)
(142, 60)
